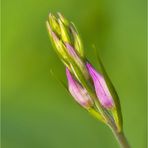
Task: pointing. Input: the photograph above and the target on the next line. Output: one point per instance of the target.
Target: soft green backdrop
(37, 112)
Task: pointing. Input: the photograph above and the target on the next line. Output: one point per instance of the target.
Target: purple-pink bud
(73, 53)
(79, 93)
(101, 88)
(80, 63)
(71, 50)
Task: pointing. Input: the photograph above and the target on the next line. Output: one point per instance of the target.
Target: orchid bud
(54, 24)
(60, 48)
(77, 41)
(101, 88)
(78, 60)
(74, 55)
(78, 92)
(64, 32)
(63, 19)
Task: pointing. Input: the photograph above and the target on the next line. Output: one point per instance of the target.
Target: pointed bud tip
(49, 27)
(51, 33)
(87, 65)
(101, 88)
(50, 15)
(65, 36)
(47, 24)
(68, 73)
(59, 14)
(70, 49)
(63, 19)
(77, 40)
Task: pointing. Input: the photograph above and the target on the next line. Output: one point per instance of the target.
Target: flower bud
(60, 48)
(79, 93)
(54, 24)
(64, 32)
(78, 60)
(77, 41)
(73, 54)
(63, 19)
(101, 88)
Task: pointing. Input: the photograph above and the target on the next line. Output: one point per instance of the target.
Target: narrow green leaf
(59, 81)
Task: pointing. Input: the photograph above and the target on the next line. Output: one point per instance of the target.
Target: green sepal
(78, 73)
(64, 32)
(63, 19)
(54, 24)
(77, 40)
(118, 121)
(116, 111)
(96, 114)
(58, 45)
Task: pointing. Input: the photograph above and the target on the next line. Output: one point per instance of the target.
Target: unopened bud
(101, 88)
(59, 46)
(63, 19)
(64, 32)
(79, 93)
(54, 24)
(78, 60)
(77, 41)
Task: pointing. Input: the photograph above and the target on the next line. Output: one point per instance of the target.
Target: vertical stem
(120, 137)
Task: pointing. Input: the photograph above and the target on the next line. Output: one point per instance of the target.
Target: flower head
(99, 98)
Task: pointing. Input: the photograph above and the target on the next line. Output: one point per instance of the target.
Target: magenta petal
(79, 93)
(101, 88)
(71, 50)
(73, 54)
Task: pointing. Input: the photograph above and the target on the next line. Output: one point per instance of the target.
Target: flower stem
(120, 137)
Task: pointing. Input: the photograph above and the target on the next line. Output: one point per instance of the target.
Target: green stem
(120, 137)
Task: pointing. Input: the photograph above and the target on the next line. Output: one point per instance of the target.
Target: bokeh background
(36, 111)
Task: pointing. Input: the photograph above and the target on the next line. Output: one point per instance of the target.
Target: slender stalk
(120, 137)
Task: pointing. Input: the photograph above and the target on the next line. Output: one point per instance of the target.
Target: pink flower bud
(101, 88)
(73, 53)
(80, 63)
(79, 93)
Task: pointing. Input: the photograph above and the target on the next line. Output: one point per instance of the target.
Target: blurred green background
(37, 112)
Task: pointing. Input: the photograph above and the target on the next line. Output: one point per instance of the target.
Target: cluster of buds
(93, 90)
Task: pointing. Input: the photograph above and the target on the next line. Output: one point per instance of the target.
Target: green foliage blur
(36, 111)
